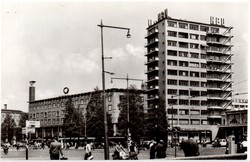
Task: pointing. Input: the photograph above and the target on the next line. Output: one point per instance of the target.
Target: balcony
(152, 51)
(152, 32)
(155, 78)
(214, 88)
(214, 107)
(153, 97)
(151, 60)
(154, 69)
(152, 42)
(152, 88)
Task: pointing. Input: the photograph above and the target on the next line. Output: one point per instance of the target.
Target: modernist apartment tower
(189, 67)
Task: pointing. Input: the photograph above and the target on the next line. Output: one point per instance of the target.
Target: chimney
(5, 106)
(32, 91)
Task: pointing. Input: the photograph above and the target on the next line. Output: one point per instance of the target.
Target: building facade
(189, 67)
(16, 115)
(50, 112)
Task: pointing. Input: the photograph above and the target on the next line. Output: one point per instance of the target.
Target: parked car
(242, 147)
(219, 143)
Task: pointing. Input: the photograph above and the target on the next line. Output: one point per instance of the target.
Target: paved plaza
(98, 154)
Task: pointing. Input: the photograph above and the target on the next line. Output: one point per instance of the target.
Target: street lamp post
(128, 96)
(106, 146)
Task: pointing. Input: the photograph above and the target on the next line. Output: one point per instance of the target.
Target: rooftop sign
(216, 21)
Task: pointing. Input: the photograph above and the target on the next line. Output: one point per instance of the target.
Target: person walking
(55, 150)
(88, 154)
(133, 151)
(152, 147)
(190, 147)
(160, 150)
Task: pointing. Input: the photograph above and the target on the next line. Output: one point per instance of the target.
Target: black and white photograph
(124, 80)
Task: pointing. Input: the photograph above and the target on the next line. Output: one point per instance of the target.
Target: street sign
(35, 124)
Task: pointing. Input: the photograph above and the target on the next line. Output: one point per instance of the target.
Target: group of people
(190, 148)
(55, 150)
(120, 154)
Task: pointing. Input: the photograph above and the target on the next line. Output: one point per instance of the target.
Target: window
(183, 122)
(172, 24)
(45, 114)
(203, 75)
(172, 33)
(203, 93)
(172, 53)
(172, 110)
(204, 66)
(183, 35)
(194, 93)
(172, 72)
(203, 103)
(54, 113)
(172, 82)
(194, 36)
(194, 74)
(194, 65)
(203, 84)
(172, 91)
(194, 83)
(183, 82)
(183, 63)
(49, 114)
(110, 107)
(49, 121)
(183, 92)
(37, 115)
(109, 98)
(183, 112)
(203, 37)
(194, 103)
(183, 102)
(172, 62)
(215, 30)
(204, 28)
(183, 25)
(204, 122)
(183, 54)
(194, 112)
(172, 43)
(194, 46)
(183, 73)
(203, 56)
(195, 122)
(57, 113)
(183, 45)
(193, 27)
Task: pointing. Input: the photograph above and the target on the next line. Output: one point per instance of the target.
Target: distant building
(15, 114)
(235, 120)
(189, 67)
(51, 111)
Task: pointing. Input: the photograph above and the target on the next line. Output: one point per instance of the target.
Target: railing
(226, 96)
(227, 86)
(226, 77)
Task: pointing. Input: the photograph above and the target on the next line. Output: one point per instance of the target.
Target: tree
(95, 117)
(7, 127)
(157, 124)
(73, 120)
(136, 122)
(22, 123)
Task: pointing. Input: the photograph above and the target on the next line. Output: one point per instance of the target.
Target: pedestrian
(43, 146)
(160, 150)
(190, 147)
(133, 151)
(118, 149)
(152, 147)
(55, 150)
(88, 154)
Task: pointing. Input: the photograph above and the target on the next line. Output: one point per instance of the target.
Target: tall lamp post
(128, 96)
(106, 146)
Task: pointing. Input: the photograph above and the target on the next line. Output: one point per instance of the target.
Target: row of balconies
(151, 60)
(151, 32)
(152, 51)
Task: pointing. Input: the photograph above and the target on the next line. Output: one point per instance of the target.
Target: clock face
(66, 90)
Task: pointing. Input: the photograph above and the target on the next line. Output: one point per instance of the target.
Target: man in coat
(55, 149)
(190, 147)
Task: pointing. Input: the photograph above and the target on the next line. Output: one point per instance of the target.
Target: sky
(58, 43)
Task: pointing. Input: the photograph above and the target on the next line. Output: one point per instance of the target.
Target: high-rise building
(189, 68)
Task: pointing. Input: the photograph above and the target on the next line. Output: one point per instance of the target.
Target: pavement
(98, 154)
